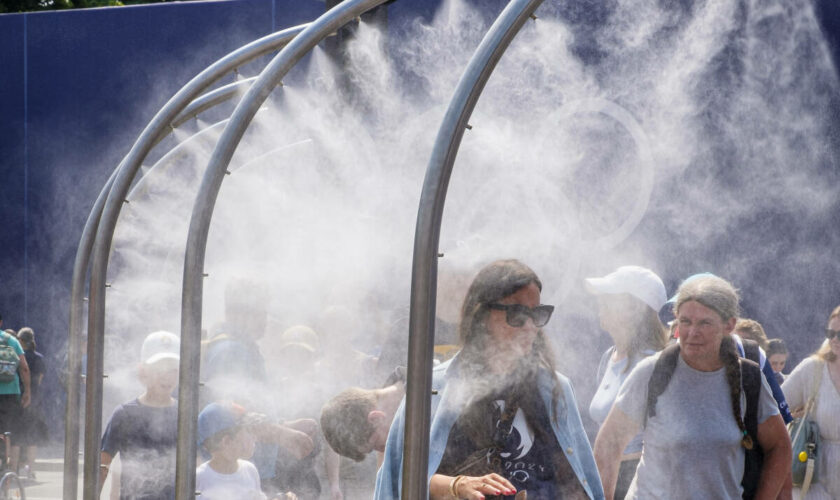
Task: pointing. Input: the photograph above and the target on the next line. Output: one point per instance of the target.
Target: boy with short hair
(356, 421)
(144, 431)
(224, 433)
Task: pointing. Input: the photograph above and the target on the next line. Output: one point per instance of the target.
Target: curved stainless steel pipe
(105, 231)
(73, 374)
(415, 484)
(205, 102)
(173, 154)
(191, 305)
(213, 98)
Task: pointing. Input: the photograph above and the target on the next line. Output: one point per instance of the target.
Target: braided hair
(730, 359)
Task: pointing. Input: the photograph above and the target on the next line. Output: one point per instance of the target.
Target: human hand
(335, 493)
(25, 399)
(475, 488)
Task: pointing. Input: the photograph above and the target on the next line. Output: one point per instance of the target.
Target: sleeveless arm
(612, 438)
(799, 384)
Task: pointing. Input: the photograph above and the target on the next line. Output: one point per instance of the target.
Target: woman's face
(617, 311)
(834, 324)
(701, 332)
(511, 342)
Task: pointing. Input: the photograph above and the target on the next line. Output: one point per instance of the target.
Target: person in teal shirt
(12, 400)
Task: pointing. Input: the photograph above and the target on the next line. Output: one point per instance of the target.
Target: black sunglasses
(516, 314)
(830, 334)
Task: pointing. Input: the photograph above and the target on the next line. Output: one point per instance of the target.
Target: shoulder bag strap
(812, 403)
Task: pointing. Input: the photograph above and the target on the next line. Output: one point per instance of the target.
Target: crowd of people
(22, 370)
(691, 402)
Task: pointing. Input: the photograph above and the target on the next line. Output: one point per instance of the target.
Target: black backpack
(751, 382)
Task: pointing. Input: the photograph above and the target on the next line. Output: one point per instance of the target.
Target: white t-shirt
(611, 374)
(692, 446)
(243, 484)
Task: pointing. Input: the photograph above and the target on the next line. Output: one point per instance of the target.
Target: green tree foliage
(12, 6)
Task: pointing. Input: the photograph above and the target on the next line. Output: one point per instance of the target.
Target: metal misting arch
(95, 244)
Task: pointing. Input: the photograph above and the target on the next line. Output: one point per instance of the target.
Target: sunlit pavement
(357, 478)
(49, 478)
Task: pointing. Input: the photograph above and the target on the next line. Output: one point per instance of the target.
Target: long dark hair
(493, 283)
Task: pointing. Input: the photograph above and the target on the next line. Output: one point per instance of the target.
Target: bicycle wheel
(11, 487)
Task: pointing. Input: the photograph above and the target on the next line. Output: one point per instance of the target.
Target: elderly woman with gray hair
(691, 407)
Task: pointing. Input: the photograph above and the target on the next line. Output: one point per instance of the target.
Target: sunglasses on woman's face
(516, 314)
(830, 334)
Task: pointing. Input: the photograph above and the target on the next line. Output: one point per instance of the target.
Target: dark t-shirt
(228, 356)
(35, 360)
(145, 438)
(528, 455)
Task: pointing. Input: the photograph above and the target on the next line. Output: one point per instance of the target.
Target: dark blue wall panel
(12, 168)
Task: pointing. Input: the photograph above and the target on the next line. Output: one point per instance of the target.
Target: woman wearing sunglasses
(629, 300)
(503, 420)
(822, 371)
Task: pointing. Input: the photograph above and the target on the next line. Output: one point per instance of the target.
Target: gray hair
(711, 291)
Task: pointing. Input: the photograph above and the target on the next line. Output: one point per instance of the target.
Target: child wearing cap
(225, 434)
(144, 430)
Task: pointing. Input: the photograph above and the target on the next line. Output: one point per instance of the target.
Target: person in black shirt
(34, 428)
(505, 438)
(144, 431)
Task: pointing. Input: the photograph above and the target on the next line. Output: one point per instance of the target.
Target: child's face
(244, 442)
(161, 377)
(777, 362)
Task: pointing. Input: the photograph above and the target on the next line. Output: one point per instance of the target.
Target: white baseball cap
(158, 346)
(637, 281)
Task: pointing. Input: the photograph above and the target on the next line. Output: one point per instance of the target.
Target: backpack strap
(751, 381)
(662, 372)
(753, 457)
(751, 351)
